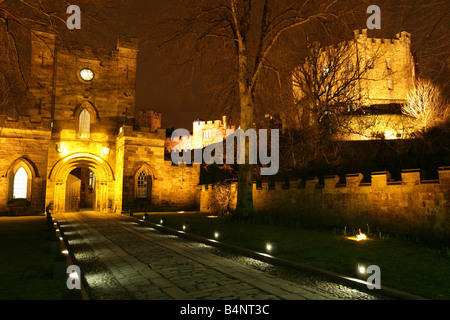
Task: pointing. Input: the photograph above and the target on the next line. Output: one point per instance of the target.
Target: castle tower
(43, 74)
(127, 63)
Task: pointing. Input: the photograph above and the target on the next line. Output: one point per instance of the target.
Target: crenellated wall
(411, 205)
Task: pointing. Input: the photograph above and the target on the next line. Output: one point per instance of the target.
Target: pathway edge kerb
(394, 293)
(70, 258)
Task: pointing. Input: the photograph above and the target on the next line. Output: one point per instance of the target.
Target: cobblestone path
(121, 258)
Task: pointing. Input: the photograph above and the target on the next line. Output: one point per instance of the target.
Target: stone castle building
(83, 144)
(376, 93)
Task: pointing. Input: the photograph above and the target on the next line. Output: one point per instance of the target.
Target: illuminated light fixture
(60, 148)
(359, 237)
(120, 130)
(180, 211)
(212, 217)
(186, 226)
(105, 151)
(218, 235)
(271, 247)
(361, 268)
(61, 238)
(145, 217)
(87, 74)
(163, 221)
(65, 252)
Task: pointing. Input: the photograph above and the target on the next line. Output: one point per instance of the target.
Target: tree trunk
(244, 208)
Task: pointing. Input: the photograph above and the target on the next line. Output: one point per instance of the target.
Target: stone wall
(172, 187)
(411, 205)
(148, 120)
(23, 144)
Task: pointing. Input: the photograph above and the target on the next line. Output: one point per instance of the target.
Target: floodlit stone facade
(383, 74)
(412, 205)
(81, 144)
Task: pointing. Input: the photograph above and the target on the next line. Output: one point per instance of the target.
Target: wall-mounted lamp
(105, 151)
(60, 148)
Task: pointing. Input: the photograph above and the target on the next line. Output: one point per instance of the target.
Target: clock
(87, 74)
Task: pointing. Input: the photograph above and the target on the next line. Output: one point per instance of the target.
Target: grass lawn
(26, 262)
(404, 265)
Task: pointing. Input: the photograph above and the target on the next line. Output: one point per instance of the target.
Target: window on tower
(84, 126)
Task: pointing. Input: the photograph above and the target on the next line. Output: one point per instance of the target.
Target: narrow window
(141, 190)
(20, 184)
(84, 124)
(207, 135)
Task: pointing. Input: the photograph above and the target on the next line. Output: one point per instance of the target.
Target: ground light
(145, 216)
(361, 267)
(186, 226)
(218, 234)
(359, 237)
(271, 247)
(163, 221)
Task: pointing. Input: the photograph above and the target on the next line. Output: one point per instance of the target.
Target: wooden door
(73, 187)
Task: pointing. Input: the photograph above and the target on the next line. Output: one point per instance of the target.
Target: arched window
(84, 126)
(20, 184)
(141, 188)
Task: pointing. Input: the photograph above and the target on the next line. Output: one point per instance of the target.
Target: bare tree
(328, 86)
(426, 104)
(241, 35)
(330, 82)
(223, 194)
(428, 21)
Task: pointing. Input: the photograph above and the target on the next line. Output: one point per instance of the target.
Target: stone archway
(57, 180)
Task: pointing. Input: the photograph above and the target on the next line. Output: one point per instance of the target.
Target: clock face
(86, 74)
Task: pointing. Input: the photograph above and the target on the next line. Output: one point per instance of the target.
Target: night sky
(182, 96)
(160, 86)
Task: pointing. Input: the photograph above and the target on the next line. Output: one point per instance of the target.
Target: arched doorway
(80, 190)
(81, 181)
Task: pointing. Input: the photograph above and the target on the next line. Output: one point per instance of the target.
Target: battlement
(411, 205)
(410, 177)
(402, 38)
(218, 124)
(124, 42)
(148, 120)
